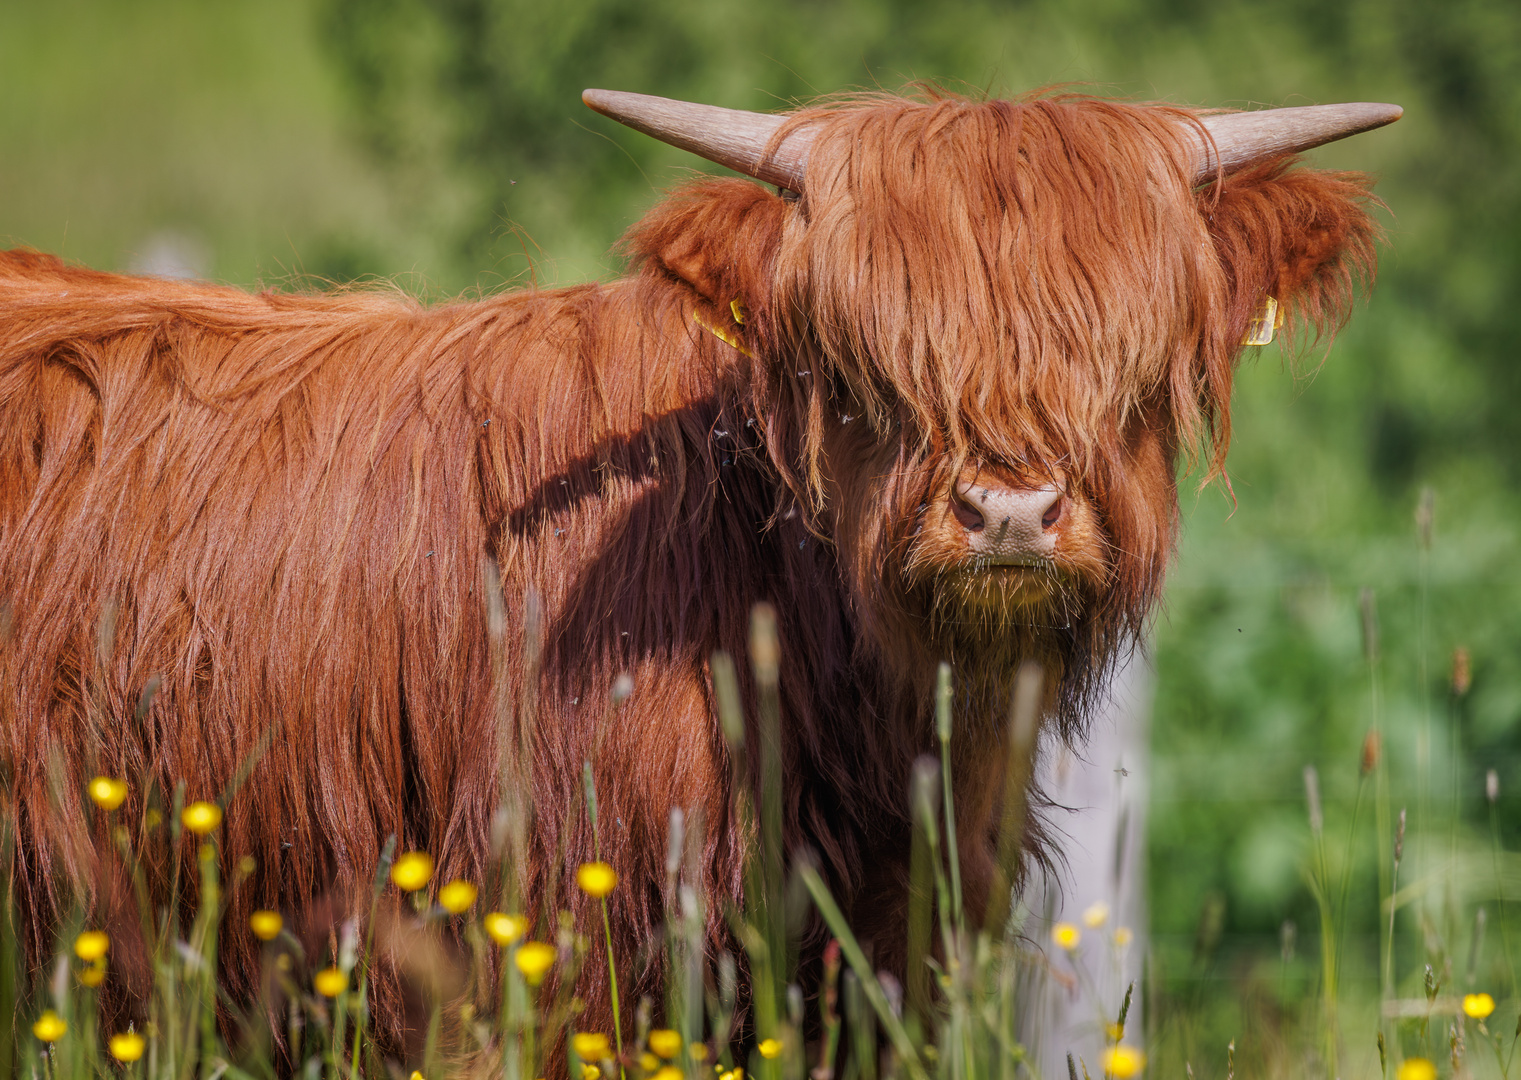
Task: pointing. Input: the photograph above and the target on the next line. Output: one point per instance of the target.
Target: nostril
(970, 517)
(1053, 514)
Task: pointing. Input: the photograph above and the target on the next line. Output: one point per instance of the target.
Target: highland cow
(927, 398)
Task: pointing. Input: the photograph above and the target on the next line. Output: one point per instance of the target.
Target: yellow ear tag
(737, 307)
(1265, 322)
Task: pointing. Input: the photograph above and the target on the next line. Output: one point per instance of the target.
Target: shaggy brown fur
(285, 503)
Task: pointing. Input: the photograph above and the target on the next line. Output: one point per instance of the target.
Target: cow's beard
(988, 620)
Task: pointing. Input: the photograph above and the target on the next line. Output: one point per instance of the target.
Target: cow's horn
(730, 137)
(1243, 137)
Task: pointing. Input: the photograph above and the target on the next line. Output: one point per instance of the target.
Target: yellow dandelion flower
(1123, 1062)
(596, 879)
(412, 870)
(201, 817)
(1416, 1068)
(770, 1048)
(457, 896)
(1478, 1006)
(699, 1051)
(534, 959)
(92, 945)
(648, 1062)
(126, 1046)
(93, 975)
(669, 1072)
(266, 925)
(1123, 936)
(50, 1027)
(330, 982)
(1066, 935)
(505, 929)
(591, 1045)
(1095, 915)
(107, 792)
(665, 1042)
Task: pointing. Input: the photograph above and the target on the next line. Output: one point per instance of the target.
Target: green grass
(1337, 1001)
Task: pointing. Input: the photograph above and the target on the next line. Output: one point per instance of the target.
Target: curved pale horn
(730, 137)
(737, 139)
(1244, 137)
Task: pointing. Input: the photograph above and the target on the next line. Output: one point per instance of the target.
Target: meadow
(1371, 534)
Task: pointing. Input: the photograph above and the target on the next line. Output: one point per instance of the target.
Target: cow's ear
(718, 237)
(1303, 237)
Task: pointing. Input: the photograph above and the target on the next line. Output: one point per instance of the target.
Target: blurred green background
(442, 143)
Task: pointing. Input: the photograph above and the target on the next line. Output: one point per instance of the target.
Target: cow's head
(991, 328)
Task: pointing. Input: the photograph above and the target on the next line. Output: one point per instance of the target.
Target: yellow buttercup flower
(1123, 936)
(1096, 915)
(648, 1062)
(107, 792)
(1066, 935)
(417, 1075)
(534, 959)
(330, 982)
(665, 1042)
(412, 871)
(93, 975)
(126, 1046)
(1478, 1006)
(669, 1072)
(596, 879)
(1416, 1068)
(266, 925)
(590, 1072)
(770, 1048)
(505, 929)
(1123, 1062)
(699, 1051)
(201, 817)
(50, 1027)
(457, 896)
(591, 1045)
(92, 945)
